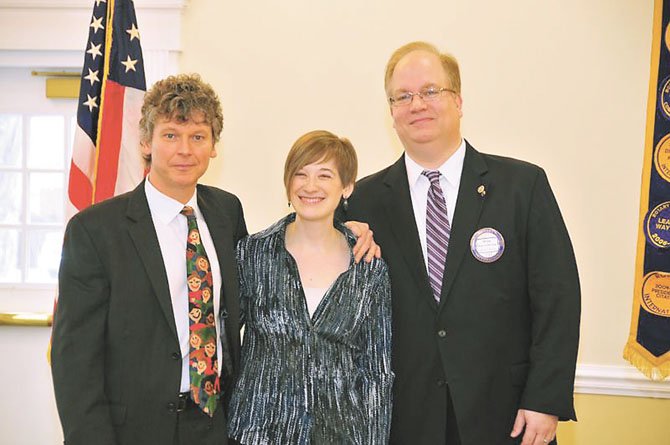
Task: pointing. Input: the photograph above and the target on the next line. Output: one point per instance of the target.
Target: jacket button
(441, 333)
(171, 407)
(176, 356)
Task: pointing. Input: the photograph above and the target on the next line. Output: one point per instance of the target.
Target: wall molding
(87, 4)
(618, 381)
(40, 34)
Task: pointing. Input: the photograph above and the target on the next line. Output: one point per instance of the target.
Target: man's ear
(459, 104)
(145, 148)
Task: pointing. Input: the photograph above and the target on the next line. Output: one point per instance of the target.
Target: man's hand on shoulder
(365, 243)
(540, 428)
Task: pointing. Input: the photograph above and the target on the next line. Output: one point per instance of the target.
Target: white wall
(559, 83)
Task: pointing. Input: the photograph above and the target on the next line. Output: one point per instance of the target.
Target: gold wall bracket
(61, 84)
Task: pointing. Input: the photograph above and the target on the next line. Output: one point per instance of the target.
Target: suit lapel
(143, 234)
(220, 229)
(398, 205)
(468, 208)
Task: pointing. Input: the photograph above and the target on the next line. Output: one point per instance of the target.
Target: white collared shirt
(450, 180)
(172, 230)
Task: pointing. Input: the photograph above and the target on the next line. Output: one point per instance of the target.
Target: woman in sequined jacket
(316, 357)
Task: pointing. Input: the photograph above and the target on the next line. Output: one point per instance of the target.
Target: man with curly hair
(124, 368)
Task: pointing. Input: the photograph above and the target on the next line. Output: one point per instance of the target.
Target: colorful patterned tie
(203, 363)
(438, 231)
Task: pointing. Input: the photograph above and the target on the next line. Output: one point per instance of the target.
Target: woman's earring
(345, 204)
(289, 203)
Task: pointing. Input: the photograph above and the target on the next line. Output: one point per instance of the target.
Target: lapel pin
(481, 190)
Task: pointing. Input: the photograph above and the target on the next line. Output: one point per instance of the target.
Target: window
(34, 156)
(35, 148)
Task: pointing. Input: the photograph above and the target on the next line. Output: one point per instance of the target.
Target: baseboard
(618, 381)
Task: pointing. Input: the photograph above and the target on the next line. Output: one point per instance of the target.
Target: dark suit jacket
(116, 361)
(505, 334)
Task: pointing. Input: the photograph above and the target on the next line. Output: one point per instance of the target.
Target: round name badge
(487, 245)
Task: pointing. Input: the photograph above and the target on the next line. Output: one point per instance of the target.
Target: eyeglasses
(427, 95)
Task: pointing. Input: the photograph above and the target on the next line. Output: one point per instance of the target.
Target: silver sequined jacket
(321, 380)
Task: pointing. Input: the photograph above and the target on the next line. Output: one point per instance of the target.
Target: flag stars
(129, 64)
(96, 24)
(134, 32)
(94, 50)
(90, 103)
(92, 76)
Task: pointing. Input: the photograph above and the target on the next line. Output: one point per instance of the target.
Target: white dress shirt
(450, 180)
(172, 230)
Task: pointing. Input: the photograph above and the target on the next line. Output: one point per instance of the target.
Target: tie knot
(432, 175)
(188, 212)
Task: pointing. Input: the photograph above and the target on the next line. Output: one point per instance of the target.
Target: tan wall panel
(617, 420)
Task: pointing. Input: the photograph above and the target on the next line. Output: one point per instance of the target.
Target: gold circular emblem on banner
(656, 293)
(662, 157)
(664, 99)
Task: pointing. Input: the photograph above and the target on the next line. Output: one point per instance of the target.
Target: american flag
(106, 159)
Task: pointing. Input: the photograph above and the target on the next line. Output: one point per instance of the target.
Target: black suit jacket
(116, 361)
(504, 335)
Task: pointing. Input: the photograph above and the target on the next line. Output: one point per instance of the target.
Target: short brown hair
(178, 97)
(321, 145)
(449, 64)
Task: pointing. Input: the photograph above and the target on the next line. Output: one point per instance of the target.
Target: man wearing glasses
(486, 298)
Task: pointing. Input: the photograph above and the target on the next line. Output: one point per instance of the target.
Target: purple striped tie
(438, 231)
